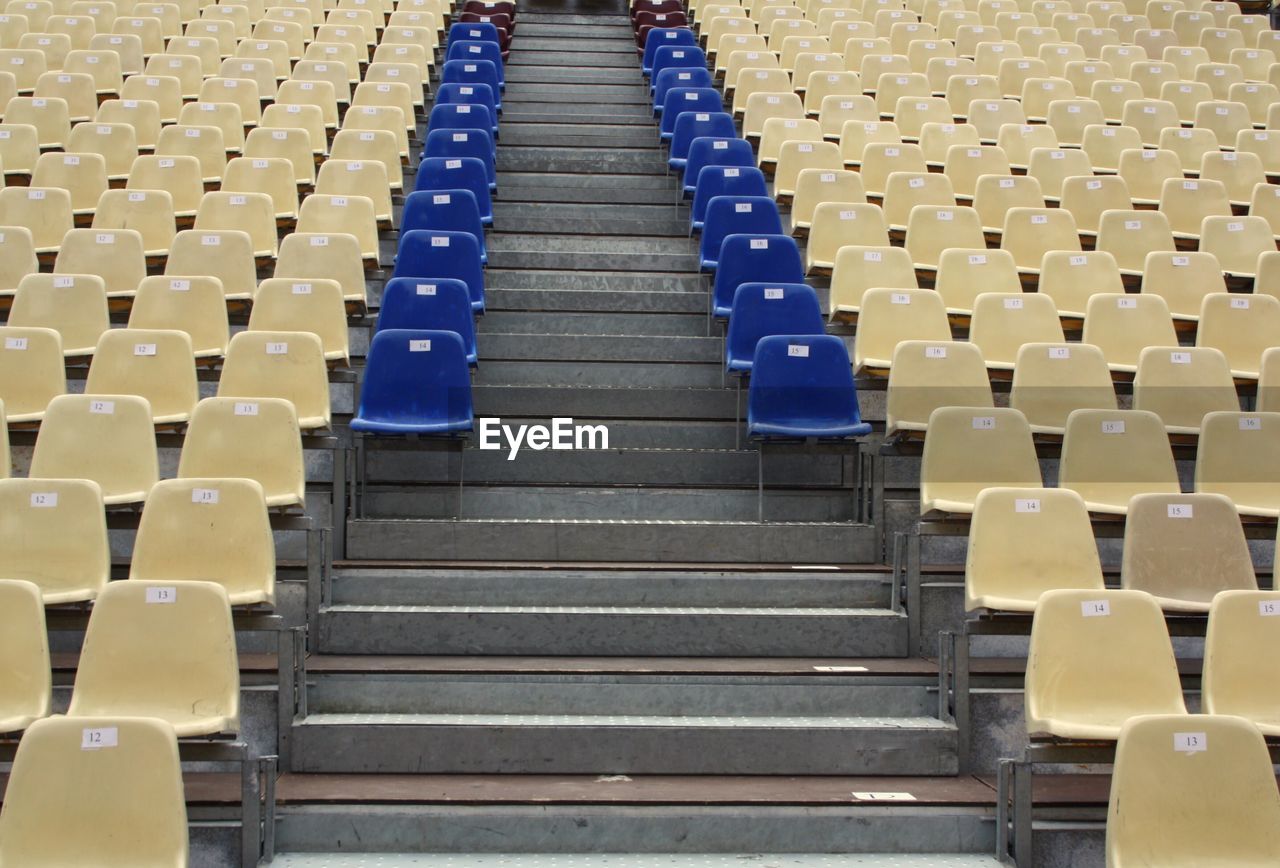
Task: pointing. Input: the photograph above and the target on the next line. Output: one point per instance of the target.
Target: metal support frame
(361, 444)
(257, 780)
(860, 490)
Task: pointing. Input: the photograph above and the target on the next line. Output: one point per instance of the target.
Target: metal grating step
(631, 860)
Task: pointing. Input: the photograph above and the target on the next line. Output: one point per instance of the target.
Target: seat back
(1108, 456)
(285, 364)
(1050, 380)
(1243, 327)
(1182, 384)
(75, 306)
(1097, 658)
(968, 449)
(106, 438)
(85, 790)
(1024, 542)
(255, 439)
(1237, 456)
(763, 309)
(1003, 322)
(416, 382)
(1192, 791)
(158, 365)
(55, 536)
(32, 372)
(925, 375)
(26, 686)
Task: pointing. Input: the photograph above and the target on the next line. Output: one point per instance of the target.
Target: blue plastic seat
(734, 215)
(443, 304)
(451, 210)
(474, 50)
(802, 386)
(690, 125)
(475, 30)
(461, 116)
(457, 173)
(661, 37)
(709, 151)
(673, 57)
(685, 100)
(763, 309)
(415, 382)
(724, 181)
(454, 144)
(469, 93)
(474, 72)
(671, 78)
(432, 253)
(753, 258)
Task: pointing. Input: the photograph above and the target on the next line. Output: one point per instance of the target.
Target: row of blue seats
(801, 379)
(417, 378)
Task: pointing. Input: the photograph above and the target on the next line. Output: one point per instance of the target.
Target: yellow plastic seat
(1130, 235)
(203, 48)
(1183, 280)
(996, 195)
(148, 212)
(377, 146)
(255, 439)
(1241, 326)
(1151, 76)
(205, 143)
(1029, 233)
(26, 688)
(316, 306)
(838, 224)
(925, 375)
(964, 274)
(78, 90)
(54, 46)
(857, 135)
(1108, 456)
(293, 145)
(178, 176)
(815, 186)
(1098, 658)
(350, 180)
(224, 116)
(1240, 172)
(1037, 93)
(1219, 77)
(1025, 542)
(1015, 71)
(253, 213)
(907, 190)
(142, 115)
(329, 63)
(858, 269)
(1052, 166)
(1224, 119)
(1050, 380)
(17, 257)
(319, 93)
(260, 70)
(117, 257)
(1182, 384)
(163, 650)
(1237, 242)
(116, 144)
(1184, 549)
(1237, 456)
(75, 306)
(1213, 801)
(1104, 144)
(274, 176)
(889, 316)
(1261, 144)
(1150, 117)
(1087, 198)
(84, 176)
(290, 365)
(186, 68)
(337, 256)
(105, 438)
(164, 90)
(989, 53)
(967, 450)
(1239, 655)
(158, 365)
(880, 160)
(912, 113)
(168, 14)
(936, 139)
(26, 65)
(373, 117)
(49, 115)
(932, 229)
(779, 131)
(69, 802)
(1003, 322)
(276, 51)
(194, 305)
(843, 84)
(226, 254)
(1186, 97)
(966, 164)
(32, 372)
(761, 107)
(1187, 203)
(1256, 96)
(55, 536)
(19, 150)
(1124, 325)
(305, 117)
(989, 115)
(963, 90)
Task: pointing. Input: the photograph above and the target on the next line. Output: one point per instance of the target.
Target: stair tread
(672, 611)
(630, 860)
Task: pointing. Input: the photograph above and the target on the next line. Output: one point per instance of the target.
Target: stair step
(679, 300)
(699, 375)
(604, 282)
(558, 322)
(599, 541)
(606, 402)
(629, 860)
(596, 161)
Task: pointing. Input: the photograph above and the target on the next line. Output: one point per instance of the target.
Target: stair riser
(620, 750)
(592, 829)
(602, 324)
(609, 635)
(657, 542)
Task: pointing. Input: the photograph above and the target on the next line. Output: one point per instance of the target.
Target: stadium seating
(256, 439)
(158, 365)
(416, 382)
(1182, 384)
(1237, 456)
(441, 304)
(105, 438)
(26, 686)
(32, 372)
(924, 376)
(760, 310)
(970, 449)
(1050, 380)
(802, 386)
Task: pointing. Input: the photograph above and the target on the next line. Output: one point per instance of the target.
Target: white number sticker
(759, 243)
(984, 423)
(935, 352)
(100, 738)
(277, 348)
(1059, 352)
(144, 349)
(162, 595)
(1181, 510)
(15, 343)
(1180, 358)
(774, 292)
(1013, 304)
(1113, 426)
(1269, 608)
(1250, 423)
(44, 499)
(102, 408)
(204, 495)
(246, 408)
(799, 351)
(1095, 608)
(1190, 742)
(420, 346)
(1030, 504)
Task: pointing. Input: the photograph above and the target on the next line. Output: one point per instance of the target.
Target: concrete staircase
(489, 684)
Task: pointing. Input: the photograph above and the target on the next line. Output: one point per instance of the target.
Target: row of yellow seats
(1108, 457)
(1181, 385)
(111, 441)
(160, 366)
(1242, 327)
